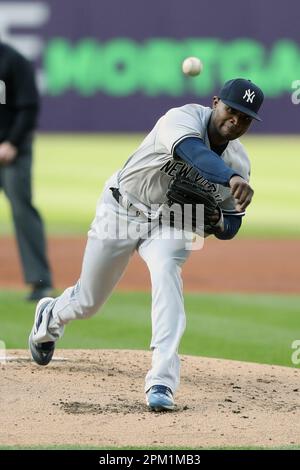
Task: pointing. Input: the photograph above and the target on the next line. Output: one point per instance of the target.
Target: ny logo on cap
(249, 95)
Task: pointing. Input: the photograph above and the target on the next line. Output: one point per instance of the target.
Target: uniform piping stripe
(233, 212)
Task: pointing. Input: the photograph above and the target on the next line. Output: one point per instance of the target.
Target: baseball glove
(183, 191)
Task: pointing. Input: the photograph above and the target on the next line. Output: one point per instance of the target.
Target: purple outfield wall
(114, 65)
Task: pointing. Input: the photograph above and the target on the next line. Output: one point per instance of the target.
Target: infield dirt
(255, 266)
(96, 398)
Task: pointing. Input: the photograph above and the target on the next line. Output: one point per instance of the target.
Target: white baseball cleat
(41, 352)
(160, 398)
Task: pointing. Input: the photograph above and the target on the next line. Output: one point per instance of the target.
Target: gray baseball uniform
(121, 227)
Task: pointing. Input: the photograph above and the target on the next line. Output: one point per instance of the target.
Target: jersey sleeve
(177, 124)
(208, 163)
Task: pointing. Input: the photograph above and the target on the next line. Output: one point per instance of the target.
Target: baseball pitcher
(192, 157)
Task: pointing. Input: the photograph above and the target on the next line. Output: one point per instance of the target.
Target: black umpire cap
(243, 95)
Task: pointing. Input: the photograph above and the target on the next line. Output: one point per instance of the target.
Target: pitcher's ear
(215, 101)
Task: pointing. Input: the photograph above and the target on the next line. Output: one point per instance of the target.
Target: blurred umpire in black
(18, 117)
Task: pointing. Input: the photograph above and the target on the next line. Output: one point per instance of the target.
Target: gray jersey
(146, 175)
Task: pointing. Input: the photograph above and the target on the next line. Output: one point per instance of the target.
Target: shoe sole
(37, 356)
(160, 407)
(42, 359)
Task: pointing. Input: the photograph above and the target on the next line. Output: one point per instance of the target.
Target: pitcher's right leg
(103, 264)
(105, 259)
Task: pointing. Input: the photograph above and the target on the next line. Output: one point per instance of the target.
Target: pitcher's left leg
(164, 258)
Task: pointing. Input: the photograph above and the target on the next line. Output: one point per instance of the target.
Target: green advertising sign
(122, 67)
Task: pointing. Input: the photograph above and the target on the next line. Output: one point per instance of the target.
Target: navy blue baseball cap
(243, 95)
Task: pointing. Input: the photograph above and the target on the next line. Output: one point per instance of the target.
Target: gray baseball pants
(105, 259)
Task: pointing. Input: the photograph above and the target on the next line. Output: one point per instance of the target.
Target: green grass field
(255, 328)
(70, 171)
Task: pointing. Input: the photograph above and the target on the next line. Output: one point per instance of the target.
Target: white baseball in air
(192, 66)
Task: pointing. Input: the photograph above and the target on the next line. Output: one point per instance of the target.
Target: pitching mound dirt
(93, 397)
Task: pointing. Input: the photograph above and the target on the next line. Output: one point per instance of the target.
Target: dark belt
(116, 194)
(118, 197)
